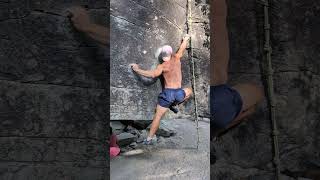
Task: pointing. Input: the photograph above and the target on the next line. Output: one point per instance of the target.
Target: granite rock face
(246, 151)
(138, 28)
(53, 84)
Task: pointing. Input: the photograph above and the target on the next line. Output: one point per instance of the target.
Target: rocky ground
(175, 156)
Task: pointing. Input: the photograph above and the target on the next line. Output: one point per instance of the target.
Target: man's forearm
(182, 48)
(183, 45)
(99, 33)
(145, 73)
(220, 40)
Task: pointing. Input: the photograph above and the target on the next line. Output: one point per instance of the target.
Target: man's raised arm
(147, 73)
(219, 42)
(81, 21)
(183, 46)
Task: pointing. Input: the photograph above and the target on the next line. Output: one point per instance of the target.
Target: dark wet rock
(126, 139)
(134, 131)
(133, 145)
(141, 124)
(117, 127)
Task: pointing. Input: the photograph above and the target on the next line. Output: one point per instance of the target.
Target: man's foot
(174, 109)
(150, 141)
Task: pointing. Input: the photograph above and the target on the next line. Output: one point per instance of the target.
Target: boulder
(117, 127)
(125, 139)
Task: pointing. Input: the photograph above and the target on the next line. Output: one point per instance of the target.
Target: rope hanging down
(190, 54)
(269, 72)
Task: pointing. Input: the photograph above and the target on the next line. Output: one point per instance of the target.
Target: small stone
(141, 124)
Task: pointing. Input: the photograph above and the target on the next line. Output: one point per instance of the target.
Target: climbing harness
(190, 54)
(269, 78)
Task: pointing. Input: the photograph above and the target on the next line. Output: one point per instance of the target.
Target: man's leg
(160, 111)
(251, 95)
(220, 45)
(188, 91)
(219, 50)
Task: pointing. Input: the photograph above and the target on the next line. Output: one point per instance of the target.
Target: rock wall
(53, 99)
(138, 28)
(246, 151)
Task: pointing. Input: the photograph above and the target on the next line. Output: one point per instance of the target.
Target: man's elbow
(153, 76)
(178, 55)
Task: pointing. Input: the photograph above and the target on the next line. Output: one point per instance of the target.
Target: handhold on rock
(147, 81)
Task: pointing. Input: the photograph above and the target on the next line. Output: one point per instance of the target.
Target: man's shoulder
(176, 57)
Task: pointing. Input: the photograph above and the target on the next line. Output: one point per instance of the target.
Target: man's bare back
(171, 71)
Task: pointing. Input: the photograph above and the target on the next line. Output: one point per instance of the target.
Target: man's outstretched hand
(134, 67)
(80, 18)
(186, 37)
(81, 21)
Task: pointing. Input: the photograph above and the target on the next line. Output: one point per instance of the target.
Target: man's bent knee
(188, 92)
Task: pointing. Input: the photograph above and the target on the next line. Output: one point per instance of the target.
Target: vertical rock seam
(193, 79)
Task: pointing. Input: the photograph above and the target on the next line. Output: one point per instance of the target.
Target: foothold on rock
(126, 139)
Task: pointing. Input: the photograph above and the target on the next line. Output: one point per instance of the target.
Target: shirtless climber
(228, 105)
(81, 21)
(172, 93)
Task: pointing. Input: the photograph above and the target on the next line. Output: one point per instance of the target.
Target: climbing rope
(269, 72)
(190, 53)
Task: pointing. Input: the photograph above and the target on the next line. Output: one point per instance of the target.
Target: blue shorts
(225, 105)
(169, 97)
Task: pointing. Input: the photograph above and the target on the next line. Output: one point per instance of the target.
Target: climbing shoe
(150, 141)
(174, 109)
